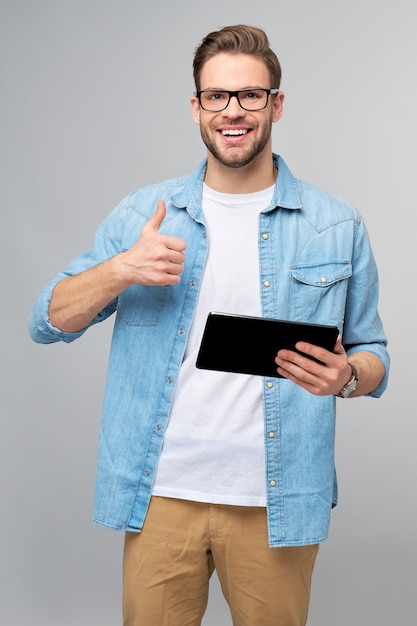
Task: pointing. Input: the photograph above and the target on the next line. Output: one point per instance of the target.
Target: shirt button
(192, 283)
(147, 473)
(271, 435)
(273, 483)
(265, 236)
(267, 283)
(170, 379)
(181, 331)
(269, 385)
(323, 279)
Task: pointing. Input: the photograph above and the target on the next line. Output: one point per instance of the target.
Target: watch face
(349, 389)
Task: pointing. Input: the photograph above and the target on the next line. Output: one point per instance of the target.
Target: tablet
(249, 345)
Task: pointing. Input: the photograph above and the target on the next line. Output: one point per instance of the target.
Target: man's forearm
(76, 300)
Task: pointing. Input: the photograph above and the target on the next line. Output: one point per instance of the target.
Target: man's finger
(158, 217)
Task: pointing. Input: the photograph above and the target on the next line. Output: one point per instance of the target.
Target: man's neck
(247, 179)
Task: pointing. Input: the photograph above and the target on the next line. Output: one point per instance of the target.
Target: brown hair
(239, 39)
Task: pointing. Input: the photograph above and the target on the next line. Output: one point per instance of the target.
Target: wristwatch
(351, 385)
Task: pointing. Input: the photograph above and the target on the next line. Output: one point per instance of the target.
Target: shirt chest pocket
(142, 306)
(319, 291)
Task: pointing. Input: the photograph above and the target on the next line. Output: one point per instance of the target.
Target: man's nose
(233, 108)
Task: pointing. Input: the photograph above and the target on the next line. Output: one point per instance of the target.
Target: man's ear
(278, 106)
(195, 107)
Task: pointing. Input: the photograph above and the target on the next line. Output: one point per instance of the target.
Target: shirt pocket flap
(322, 274)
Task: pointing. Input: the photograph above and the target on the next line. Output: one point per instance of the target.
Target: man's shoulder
(177, 191)
(314, 201)
(322, 206)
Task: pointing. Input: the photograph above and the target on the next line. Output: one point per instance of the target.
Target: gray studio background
(95, 103)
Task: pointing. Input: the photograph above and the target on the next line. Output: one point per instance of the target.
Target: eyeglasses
(215, 100)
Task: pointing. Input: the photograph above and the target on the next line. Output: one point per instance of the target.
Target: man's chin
(233, 161)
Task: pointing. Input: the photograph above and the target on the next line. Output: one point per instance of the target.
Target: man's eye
(217, 95)
(250, 95)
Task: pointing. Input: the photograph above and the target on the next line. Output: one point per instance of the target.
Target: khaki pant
(167, 567)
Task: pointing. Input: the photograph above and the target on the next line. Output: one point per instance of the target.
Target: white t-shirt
(213, 448)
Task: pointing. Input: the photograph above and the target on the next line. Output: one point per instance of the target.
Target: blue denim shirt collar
(285, 195)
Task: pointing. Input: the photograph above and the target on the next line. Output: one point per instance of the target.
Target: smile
(231, 132)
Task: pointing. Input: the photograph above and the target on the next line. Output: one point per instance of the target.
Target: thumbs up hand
(155, 259)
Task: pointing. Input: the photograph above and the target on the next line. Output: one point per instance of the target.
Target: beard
(236, 156)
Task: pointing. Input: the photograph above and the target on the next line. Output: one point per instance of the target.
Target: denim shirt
(316, 265)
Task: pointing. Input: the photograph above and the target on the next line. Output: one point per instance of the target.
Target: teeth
(240, 131)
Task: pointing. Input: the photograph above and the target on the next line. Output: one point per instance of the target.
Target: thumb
(339, 349)
(158, 217)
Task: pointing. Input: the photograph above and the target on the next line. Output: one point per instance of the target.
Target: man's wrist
(351, 385)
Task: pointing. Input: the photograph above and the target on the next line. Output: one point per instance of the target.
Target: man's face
(233, 72)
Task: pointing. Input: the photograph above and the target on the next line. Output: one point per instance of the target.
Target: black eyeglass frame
(235, 94)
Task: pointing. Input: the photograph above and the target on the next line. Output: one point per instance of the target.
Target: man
(211, 470)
